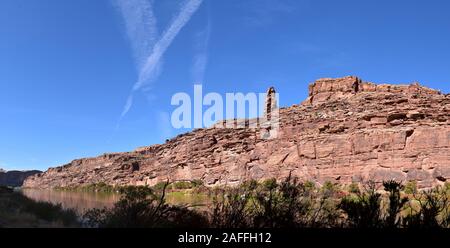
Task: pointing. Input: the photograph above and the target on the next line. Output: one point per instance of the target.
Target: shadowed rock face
(347, 130)
(15, 178)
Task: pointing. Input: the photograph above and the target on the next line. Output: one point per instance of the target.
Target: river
(82, 201)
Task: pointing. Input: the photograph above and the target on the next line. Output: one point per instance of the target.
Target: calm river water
(82, 201)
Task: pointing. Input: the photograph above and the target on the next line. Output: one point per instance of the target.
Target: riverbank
(272, 204)
(287, 204)
(185, 193)
(83, 200)
(16, 210)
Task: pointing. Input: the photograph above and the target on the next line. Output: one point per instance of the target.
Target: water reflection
(79, 201)
(189, 199)
(82, 201)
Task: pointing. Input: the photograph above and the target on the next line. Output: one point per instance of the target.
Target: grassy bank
(106, 188)
(95, 187)
(17, 210)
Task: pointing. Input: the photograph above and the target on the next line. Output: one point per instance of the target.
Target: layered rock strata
(346, 131)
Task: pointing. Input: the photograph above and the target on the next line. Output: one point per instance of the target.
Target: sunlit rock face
(346, 131)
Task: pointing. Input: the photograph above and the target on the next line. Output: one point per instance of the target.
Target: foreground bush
(364, 208)
(433, 210)
(287, 204)
(272, 205)
(141, 207)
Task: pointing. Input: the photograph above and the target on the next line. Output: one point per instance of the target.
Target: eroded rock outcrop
(15, 178)
(347, 130)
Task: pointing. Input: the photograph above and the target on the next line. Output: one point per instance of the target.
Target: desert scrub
(289, 203)
(310, 185)
(433, 209)
(160, 186)
(179, 185)
(353, 188)
(411, 187)
(362, 209)
(142, 207)
(368, 208)
(94, 187)
(282, 204)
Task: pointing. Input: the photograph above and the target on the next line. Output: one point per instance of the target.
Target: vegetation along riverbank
(285, 204)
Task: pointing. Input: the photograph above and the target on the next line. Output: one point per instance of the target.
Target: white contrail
(166, 39)
(151, 64)
(127, 106)
(140, 24)
(201, 58)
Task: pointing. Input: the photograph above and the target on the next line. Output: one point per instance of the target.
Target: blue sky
(67, 68)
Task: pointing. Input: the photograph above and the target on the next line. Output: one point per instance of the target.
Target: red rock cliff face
(347, 130)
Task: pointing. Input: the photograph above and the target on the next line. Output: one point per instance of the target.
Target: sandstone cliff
(15, 178)
(347, 130)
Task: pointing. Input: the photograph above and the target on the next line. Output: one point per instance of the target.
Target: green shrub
(142, 207)
(249, 185)
(329, 188)
(197, 183)
(310, 185)
(447, 187)
(160, 185)
(229, 208)
(396, 203)
(433, 211)
(181, 185)
(411, 187)
(363, 209)
(94, 187)
(270, 184)
(287, 204)
(353, 188)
